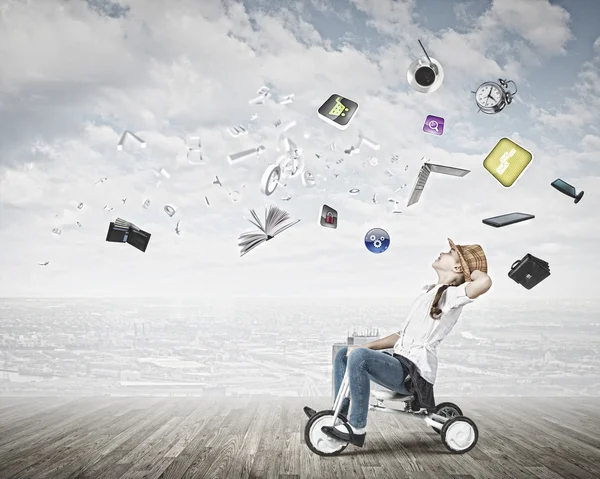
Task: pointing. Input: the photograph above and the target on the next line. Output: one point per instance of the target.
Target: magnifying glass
(433, 125)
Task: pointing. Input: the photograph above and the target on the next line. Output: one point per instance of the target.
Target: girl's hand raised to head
(481, 284)
(477, 274)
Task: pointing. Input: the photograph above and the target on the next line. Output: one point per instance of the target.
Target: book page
(273, 218)
(257, 222)
(249, 241)
(285, 227)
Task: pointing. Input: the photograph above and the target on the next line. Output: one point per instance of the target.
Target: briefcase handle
(515, 264)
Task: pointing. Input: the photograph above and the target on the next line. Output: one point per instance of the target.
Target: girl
(462, 277)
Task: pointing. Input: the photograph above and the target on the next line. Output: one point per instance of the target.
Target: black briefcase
(529, 271)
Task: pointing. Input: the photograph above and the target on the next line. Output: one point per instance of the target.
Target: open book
(122, 231)
(276, 221)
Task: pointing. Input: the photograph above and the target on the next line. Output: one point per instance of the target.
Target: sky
(74, 75)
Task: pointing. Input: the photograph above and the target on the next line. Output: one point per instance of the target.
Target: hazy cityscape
(281, 347)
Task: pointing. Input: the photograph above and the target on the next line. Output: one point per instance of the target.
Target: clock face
(488, 95)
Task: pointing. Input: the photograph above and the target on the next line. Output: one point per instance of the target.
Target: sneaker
(310, 412)
(355, 439)
(415, 405)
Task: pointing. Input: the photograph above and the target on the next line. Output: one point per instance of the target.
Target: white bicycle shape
(288, 166)
(458, 433)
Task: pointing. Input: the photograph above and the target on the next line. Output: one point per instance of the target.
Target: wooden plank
(290, 454)
(6, 402)
(192, 424)
(558, 412)
(163, 434)
(512, 466)
(528, 427)
(590, 441)
(85, 447)
(141, 423)
(250, 441)
(411, 440)
(197, 450)
(293, 425)
(351, 467)
(227, 451)
(508, 434)
(268, 455)
(542, 472)
(26, 407)
(59, 418)
(175, 438)
(151, 451)
(190, 427)
(386, 443)
(567, 469)
(371, 471)
(51, 443)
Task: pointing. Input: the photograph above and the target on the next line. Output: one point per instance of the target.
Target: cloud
(505, 38)
(387, 16)
(509, 29)
(168, 71)
(591, 143)
(544, 26)
(582, 108)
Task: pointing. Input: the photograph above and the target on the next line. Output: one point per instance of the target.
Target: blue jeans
(365, 365)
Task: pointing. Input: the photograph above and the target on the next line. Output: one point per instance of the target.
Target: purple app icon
(434, 125)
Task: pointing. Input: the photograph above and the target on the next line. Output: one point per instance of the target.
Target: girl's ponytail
(435, 310)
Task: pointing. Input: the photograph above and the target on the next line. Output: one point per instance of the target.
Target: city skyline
(91, 70)
(281, 348)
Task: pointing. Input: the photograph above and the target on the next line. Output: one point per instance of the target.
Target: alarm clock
(492, 97)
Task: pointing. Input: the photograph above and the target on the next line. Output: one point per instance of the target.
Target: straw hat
(471, 258)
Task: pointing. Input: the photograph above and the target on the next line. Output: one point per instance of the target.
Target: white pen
(259, 100)
(242, 155)
(289, 125)
(287, 99)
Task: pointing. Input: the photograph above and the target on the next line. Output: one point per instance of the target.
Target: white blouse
(421, 333)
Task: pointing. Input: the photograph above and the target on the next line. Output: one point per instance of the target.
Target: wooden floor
(176, 438)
